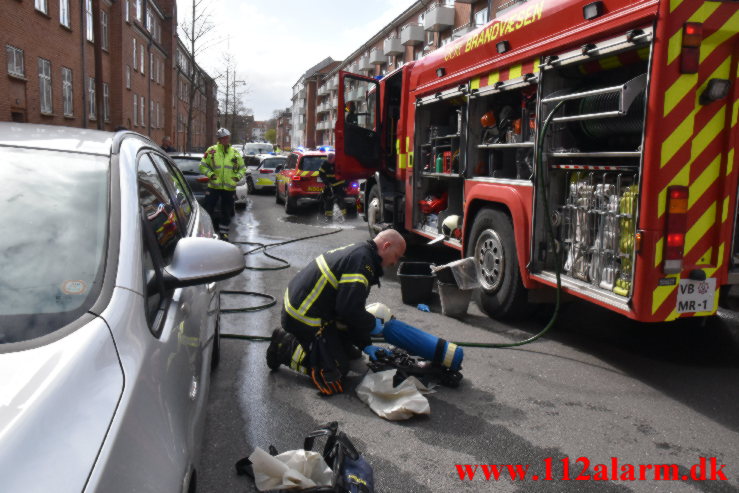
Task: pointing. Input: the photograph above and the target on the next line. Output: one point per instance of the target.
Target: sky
(275, 41)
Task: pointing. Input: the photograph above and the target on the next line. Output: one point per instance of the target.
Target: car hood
(57, 401)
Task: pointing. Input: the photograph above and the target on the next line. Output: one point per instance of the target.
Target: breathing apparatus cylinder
(420, 343)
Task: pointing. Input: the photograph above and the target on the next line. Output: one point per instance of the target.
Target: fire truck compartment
(591, 157)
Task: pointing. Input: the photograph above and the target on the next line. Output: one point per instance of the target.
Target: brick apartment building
(136, 77)
(422, 28)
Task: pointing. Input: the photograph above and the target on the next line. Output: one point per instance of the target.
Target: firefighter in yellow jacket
(324, 317)
(224, 167)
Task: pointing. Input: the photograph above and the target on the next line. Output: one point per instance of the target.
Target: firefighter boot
(281, 348)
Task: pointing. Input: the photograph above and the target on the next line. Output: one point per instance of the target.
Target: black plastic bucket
(416, 282)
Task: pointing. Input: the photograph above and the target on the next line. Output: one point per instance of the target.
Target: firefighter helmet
(488, 119)
(450, 225)
(222, 132)
(380, 310)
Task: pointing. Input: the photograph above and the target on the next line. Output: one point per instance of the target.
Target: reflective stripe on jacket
(334, 288)
(327, 172)
(224, 167)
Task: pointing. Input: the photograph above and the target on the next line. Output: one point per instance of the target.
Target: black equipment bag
(351, 473)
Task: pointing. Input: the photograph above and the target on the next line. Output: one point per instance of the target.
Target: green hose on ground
(550, 237)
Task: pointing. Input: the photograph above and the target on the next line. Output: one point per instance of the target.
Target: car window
(157, 209)
(54, 239)
(272, 162)
(312, 163)
(292, 160)
(183, 195)
(188, 166)
(251, 161)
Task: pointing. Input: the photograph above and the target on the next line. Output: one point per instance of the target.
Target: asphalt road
(599, 392)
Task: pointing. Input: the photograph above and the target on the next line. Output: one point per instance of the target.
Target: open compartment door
(357, 142)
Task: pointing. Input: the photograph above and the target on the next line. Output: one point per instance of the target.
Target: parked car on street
(264, 176)
(189, 165)
(109, 306)
(299, 180)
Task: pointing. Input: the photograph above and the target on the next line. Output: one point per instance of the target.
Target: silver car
(263, 177)
(108, 313)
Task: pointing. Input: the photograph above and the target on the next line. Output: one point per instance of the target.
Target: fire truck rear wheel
(502, 294)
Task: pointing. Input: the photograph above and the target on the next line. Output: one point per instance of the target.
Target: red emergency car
(299, 179)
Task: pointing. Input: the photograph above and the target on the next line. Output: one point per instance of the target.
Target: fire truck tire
(374, 211)
(502, 295)
(291, 204)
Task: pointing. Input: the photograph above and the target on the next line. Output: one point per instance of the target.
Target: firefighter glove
(328, 382)
(377, 331)
(374, 351)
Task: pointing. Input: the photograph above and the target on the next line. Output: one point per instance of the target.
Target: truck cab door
(357, 122)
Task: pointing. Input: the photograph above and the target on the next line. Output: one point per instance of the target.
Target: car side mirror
(202, 261)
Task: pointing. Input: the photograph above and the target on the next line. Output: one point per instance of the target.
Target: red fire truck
(612, 124)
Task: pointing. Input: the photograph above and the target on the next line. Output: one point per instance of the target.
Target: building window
(88, 20)
(142, 58)
(135, 110)
(104, 25)
(151, 65)
(142, 109)
(152, 115)
(67, 91)
(64, 18)
(106, 102)
(15, 61)
(91, 96)
(149, 20)
(139, 11)
(44, 82)
(41, 6)
(135, 58)
(127, 11)
(481, 17)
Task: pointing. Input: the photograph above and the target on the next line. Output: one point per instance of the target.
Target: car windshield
(312, 163)
(54, 239)
(272, 163)
(188, 166)
(257, 148)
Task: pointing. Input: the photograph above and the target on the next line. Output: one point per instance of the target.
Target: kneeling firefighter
(323, 315)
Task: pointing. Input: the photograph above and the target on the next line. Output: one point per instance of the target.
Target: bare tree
(195, 30)
(232, 93)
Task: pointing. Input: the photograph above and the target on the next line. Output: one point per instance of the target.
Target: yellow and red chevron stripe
(504, 74)
(696, 143)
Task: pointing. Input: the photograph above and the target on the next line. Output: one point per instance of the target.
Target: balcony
(462, 30)
(439, 18)
(364, 64)
(411, 35)
(376, 57)
(323, 90)
(392, 47)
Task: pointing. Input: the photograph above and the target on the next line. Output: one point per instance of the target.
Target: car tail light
(265, 171)
(296, 177)
(691, 47)
(203, 179)
(675, 228)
